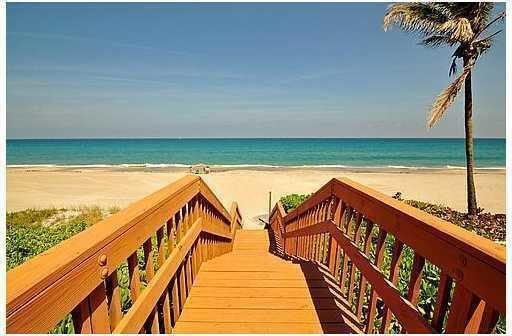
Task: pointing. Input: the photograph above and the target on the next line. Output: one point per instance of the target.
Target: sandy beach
(38, 187)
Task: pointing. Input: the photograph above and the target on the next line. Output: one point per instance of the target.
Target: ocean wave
(31, 165)
(235, 166)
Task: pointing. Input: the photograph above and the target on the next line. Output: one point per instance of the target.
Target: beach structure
(200, 168)
(332, 265)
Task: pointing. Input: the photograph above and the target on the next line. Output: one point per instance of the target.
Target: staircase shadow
(333, 310)
(275, 247)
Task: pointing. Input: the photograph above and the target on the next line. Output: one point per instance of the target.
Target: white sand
(39, 188)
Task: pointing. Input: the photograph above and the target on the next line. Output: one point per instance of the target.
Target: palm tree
(454, 24)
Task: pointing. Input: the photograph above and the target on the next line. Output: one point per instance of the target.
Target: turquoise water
(411, 153)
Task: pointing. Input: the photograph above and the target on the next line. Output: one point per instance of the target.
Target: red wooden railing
(156, 246)
(374, 245)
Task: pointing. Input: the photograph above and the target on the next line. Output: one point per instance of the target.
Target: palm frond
(482, 15)
(483, 45)
(425, 18)
(437, 41)
(445, 99)
(458, 30)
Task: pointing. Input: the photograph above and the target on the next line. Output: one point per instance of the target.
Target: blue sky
(231, 70)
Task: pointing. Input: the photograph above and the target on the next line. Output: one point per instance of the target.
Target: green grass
(29, 233)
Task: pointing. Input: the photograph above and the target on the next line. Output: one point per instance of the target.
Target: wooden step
(250, 290)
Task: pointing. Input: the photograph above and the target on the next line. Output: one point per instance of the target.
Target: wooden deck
(251, 290)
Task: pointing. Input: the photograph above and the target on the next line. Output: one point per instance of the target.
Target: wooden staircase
(348, 259)
(251, 290)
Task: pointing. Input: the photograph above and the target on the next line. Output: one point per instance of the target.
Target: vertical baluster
(393, 277)
(152, 321)
(134, 276)
(182, 290)
(164, 302)
(338, 218)
(188, 261)
(345, 225)
(321, 235)
(379, 256)
(170, 236)
(415, 279)
(483, 321)
(442, 300)
(113, 300)
(175, 300)
(352, 277)
(333, 247)
(461, 310)
(172, 233)
(91, 315)
(362, 280)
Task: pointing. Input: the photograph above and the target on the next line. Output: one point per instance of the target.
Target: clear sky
(231, 70)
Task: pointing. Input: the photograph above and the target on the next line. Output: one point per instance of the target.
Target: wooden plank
(134, 276)
(91, 315)
(249, 292)
(260, 303)
(258, 328)
(393, 277)
(259, 275)
(379, 257)
(260, 315)
(166, 312)
(415, 279)
(483, 321)
(175, 304)
(260, 283)
(442, 300)
(113, 300)
(362, 279)
(462, 308)
(81, 318)
(352, 277)
(152, 323)
(98, 306)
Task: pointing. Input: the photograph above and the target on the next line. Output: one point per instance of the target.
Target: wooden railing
(129, 273)
(397, 267)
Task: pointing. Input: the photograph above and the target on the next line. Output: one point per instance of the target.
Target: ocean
(349, 153)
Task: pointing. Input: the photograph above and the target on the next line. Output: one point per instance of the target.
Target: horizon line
(243, 138)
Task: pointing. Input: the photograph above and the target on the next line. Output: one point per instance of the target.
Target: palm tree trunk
(468, 121)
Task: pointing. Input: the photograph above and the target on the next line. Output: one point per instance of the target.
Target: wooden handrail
(79, 276)
(328, 228)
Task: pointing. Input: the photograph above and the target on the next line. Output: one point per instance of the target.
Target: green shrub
(292, 201)
(31, 231)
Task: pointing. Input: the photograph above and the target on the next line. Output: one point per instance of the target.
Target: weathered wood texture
(352, 229)
(170, 233)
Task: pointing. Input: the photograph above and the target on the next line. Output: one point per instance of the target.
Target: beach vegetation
(465, 27)
(292, 201)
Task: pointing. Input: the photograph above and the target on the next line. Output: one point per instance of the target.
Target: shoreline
(180, 168)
